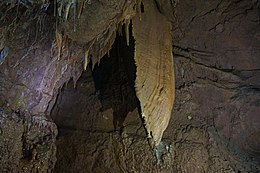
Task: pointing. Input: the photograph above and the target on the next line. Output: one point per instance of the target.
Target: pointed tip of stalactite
(108, 54)
(120, 32)
(67, 9)
(75, 80)
(74, 84)
(93, 65)
(151, 142)
(86, 59)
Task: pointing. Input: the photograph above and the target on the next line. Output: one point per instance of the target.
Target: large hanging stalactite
(155, 85)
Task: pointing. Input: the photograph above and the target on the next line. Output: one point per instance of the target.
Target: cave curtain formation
(155, 85)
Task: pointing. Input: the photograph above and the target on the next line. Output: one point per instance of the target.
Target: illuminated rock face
(155, 84)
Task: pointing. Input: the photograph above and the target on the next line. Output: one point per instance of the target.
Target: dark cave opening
(103, 102)
(115, 79)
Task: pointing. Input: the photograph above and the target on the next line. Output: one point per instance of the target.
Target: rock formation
(155, 85)
(69, 70)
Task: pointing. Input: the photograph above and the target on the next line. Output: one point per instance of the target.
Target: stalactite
(155, 85)
(67, 9)
(127, 23)
(86, 59)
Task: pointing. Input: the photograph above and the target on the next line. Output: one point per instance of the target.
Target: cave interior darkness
(103, 101)
(113, 79)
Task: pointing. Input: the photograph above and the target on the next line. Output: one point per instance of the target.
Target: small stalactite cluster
(97, 47)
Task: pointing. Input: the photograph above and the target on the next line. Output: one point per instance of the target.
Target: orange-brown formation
(155, 85)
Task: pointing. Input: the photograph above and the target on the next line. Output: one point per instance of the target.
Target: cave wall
(216, 50)
(218, 67)
(215, 122)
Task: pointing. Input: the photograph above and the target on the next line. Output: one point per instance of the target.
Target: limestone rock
(155, 83)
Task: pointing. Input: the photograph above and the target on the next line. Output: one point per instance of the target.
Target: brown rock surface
(215, 127)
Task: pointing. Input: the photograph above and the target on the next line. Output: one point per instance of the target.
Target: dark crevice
(101, 101)
(142, 7)
(115, 79)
